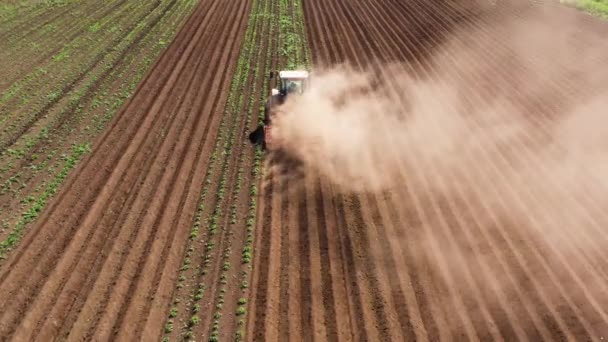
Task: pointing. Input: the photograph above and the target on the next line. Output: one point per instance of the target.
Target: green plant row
(63, 61)
(595, 7)
(222, 148)
(58, 87)
(294, 53)
(166, 29)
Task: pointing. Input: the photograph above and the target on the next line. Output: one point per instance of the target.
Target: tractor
(291, 83)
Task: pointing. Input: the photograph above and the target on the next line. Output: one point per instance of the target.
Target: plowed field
(172, 226)
(464, 252)
(97, 256)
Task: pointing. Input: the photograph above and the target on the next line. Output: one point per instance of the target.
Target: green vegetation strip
(102, 102)
(595, 7)
(274, 20)
(227, 136)
(598, 8)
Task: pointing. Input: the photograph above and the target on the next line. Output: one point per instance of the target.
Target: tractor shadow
(257, 137)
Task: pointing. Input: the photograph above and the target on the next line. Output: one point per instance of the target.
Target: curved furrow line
(121, 124)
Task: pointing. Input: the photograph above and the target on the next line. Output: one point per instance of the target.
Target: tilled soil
(101, 261)
(467, 252)
(463, 253)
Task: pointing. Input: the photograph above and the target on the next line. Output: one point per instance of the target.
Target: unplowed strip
(132, 199)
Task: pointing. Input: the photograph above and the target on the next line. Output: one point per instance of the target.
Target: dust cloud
(543, 88)
(506, 125)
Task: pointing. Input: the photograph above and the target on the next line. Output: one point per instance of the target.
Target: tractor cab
(291, 83)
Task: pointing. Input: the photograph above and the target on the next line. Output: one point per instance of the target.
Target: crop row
(70, 68)
(212, 216)
(46, 156)
(218, 269)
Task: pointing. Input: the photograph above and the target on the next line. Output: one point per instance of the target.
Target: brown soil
(413, 263)
(93, 264)
(416, 263)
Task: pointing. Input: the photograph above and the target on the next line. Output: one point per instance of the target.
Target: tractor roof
(293, 74)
